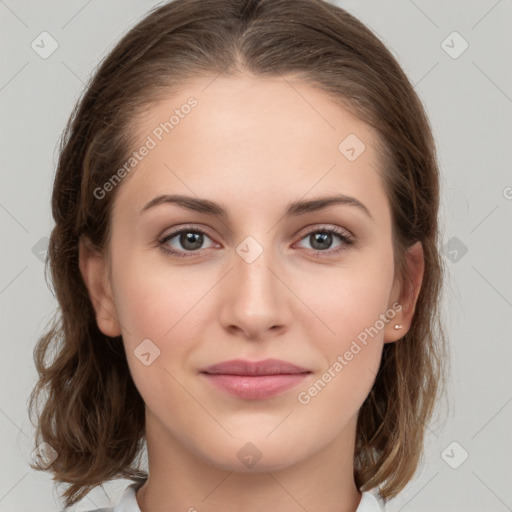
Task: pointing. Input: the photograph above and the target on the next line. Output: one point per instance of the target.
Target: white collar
(128, 501)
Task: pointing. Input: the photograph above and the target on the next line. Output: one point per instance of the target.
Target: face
(189, 288)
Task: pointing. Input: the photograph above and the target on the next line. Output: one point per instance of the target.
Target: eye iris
(196, 239)
(324, 238)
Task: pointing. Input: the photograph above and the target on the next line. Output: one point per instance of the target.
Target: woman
(245, 254)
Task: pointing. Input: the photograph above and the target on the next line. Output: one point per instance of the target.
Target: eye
(321, 239)
(190, 239)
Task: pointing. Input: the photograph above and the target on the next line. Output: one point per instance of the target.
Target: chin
(255, 454)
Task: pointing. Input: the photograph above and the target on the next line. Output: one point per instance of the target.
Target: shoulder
(109, 509)
(127, 501)
(370, 503)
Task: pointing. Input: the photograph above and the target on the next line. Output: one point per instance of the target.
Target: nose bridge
(254, 303)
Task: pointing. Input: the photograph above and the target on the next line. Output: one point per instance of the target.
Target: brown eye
(321, 241)
(188, 240)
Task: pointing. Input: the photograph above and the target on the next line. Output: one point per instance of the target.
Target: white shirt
(128, 502)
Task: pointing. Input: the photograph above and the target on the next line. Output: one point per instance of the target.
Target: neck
(184, 480)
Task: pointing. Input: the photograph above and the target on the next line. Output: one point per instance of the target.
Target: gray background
(469, 101)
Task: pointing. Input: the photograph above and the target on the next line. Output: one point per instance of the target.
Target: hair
(93, 415)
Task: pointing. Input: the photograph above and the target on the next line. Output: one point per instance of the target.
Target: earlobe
(93, 268)
(406, 294)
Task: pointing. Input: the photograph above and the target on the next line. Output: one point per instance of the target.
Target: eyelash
(345, 238)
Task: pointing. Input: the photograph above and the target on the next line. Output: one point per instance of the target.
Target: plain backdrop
(457, 54)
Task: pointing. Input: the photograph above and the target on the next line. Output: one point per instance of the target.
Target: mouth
(255, 380)
(255, 388)
(255, 368)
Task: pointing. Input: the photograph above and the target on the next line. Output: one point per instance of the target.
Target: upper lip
(265, 367)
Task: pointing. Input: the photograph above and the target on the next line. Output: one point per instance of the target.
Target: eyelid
(347, 239)
(186, 227)
(321, 227)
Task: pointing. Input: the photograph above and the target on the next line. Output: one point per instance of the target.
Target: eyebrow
(294, 209)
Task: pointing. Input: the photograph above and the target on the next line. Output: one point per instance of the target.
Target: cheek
(353, 307)
(153, 301)
(167, 306)
(351, 347)
(156, 307)
(352, 298)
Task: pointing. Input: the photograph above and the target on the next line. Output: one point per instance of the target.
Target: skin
(253, 145)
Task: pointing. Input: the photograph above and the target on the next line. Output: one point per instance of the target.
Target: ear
(406, 294)
(94, 270)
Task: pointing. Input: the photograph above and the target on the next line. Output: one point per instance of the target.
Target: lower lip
(255, 387)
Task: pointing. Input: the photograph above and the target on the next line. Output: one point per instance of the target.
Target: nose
(255, 297)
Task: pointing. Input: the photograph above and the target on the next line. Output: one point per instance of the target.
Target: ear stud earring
(398, 326)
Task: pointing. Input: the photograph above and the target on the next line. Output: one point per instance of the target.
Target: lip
(255, 380)
(255, 368)
(254, 387)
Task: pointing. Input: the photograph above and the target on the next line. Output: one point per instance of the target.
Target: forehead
(252, 141)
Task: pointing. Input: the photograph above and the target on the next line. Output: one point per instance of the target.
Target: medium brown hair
(93, 415)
